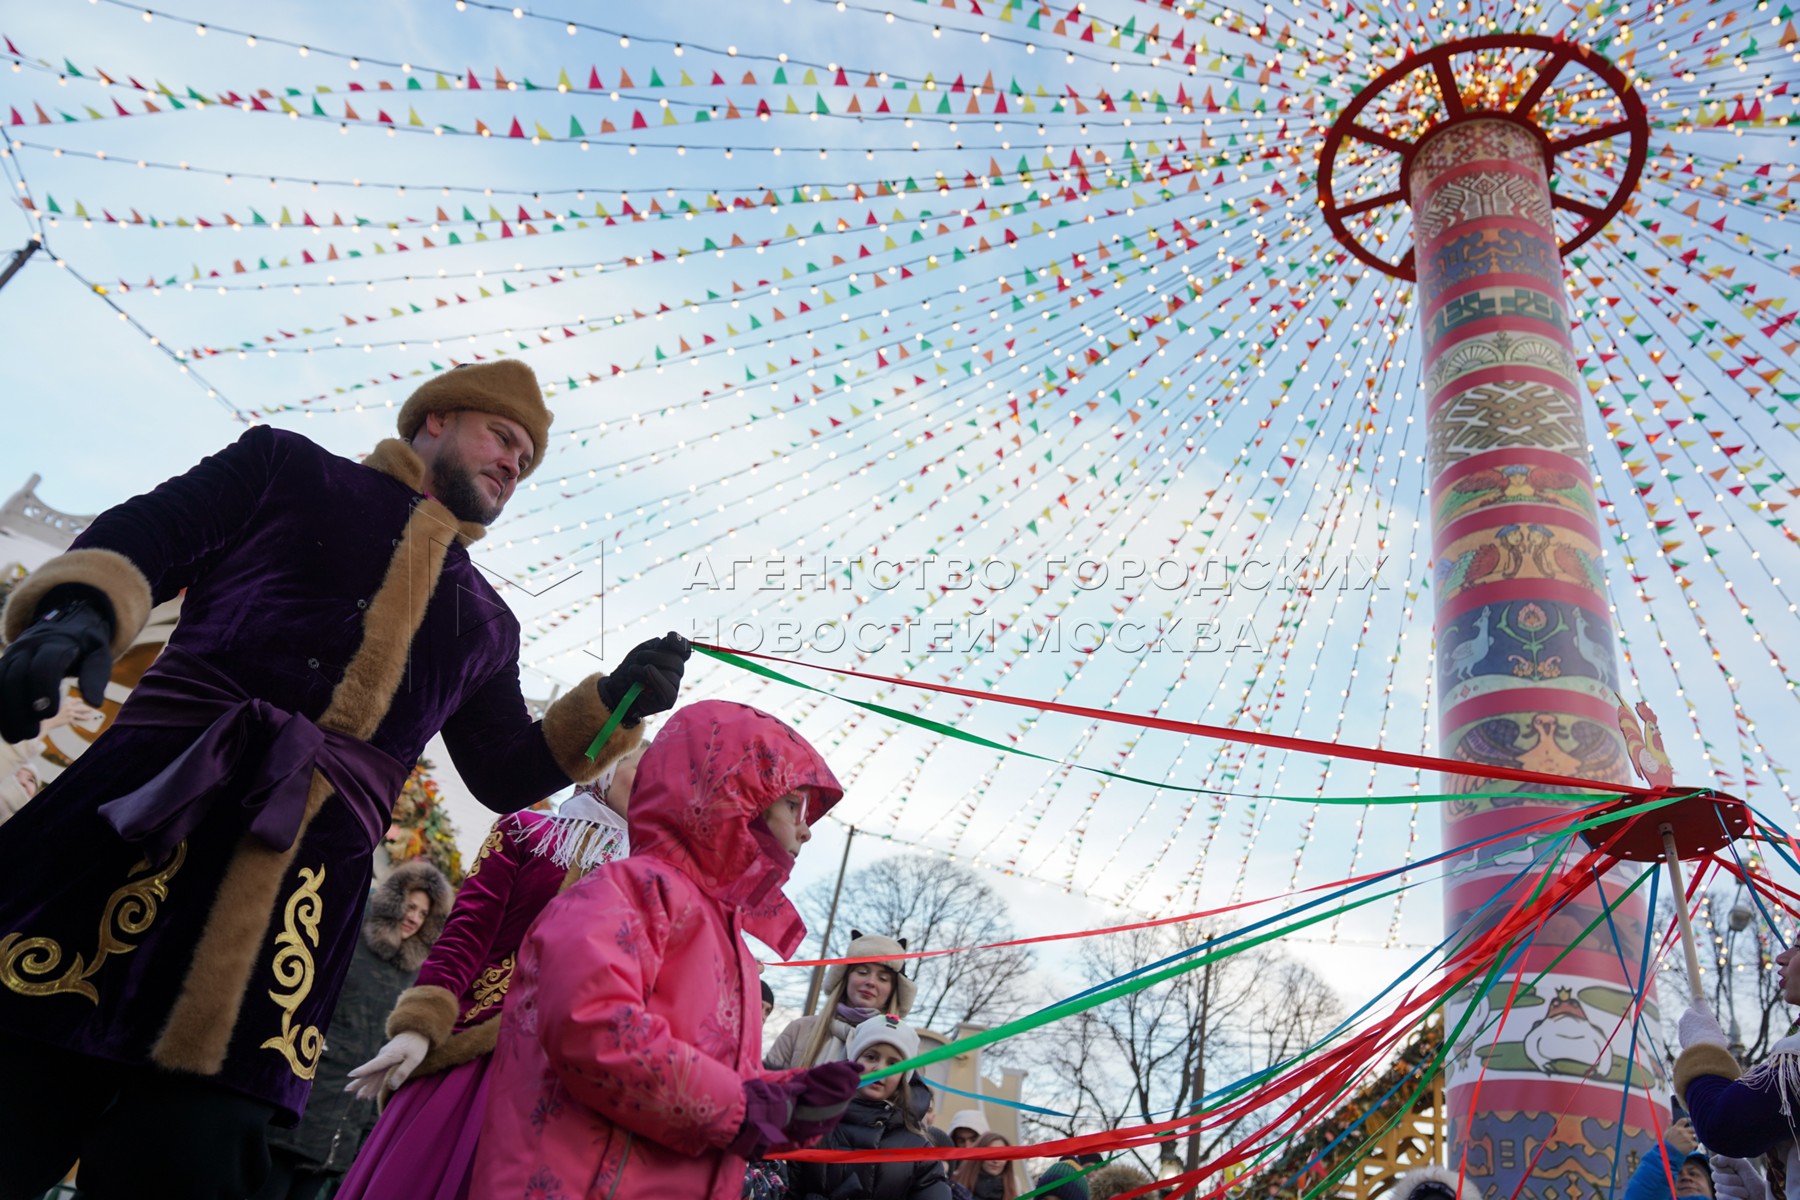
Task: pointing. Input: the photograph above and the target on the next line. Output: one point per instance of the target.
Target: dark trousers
(140, 1133)
(291, 1178)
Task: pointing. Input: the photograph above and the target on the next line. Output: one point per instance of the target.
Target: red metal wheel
(1556, 54)
(1702, 822)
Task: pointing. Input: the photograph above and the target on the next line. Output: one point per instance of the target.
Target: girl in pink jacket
(628, 1063)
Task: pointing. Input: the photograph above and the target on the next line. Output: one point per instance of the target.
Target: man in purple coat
(177, 910)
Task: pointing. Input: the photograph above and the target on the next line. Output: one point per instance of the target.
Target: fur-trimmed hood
(387, 907)
(1433, 1183)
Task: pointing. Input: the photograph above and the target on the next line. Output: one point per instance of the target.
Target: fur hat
(1115, 1179)
(884, 1029)
(1433, 1183)
(507, 388)
(968, 1118)
(871, 946)
(387, 908)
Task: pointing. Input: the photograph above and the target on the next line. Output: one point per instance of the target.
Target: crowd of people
(257, 1018)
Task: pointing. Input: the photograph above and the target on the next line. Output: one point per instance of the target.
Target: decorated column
(1526, 660)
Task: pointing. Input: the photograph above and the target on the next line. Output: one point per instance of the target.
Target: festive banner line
(1394, 758)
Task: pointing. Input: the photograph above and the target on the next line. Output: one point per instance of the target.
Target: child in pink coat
(629, 1056)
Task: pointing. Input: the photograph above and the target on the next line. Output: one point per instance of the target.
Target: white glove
(1698, 1027)
(1736, 1179)
(390, 1067)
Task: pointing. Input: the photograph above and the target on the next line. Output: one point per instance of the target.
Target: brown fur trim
(571, 723)
(1703, 1059)
(204, 1015)
(507, 388)
(463, 1047)
(391, 456)
(396, 459)
(387, 909)
(105, 570)
(427, 1010)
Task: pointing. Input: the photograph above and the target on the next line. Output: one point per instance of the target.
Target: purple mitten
(824, 1094)
(767, 1109)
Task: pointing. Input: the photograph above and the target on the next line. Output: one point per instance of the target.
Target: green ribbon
(975, 739)
(1068, 1008)
(612, 722)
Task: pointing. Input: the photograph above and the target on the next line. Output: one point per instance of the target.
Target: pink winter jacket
(635, 1015)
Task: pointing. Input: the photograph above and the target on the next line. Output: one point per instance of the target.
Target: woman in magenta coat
(629, 1062)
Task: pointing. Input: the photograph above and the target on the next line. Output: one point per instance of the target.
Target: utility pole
(1197, 1094)
(818, 973)
(18, 260)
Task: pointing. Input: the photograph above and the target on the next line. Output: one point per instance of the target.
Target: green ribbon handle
(612, 722)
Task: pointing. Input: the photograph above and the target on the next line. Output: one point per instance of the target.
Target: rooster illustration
(1644, 746)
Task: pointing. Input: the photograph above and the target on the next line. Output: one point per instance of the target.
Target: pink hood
(701, 788)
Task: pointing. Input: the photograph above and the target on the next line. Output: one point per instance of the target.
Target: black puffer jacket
(384, 965)
(870, 1125)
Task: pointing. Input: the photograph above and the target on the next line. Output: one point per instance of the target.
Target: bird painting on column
(1593, 653)
(1471, 566)
(1572, 562)
(1592, 752)
(1468, 654)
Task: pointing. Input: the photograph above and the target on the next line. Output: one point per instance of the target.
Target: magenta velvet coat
(280, 546)
(507, 887)
(635, 1016)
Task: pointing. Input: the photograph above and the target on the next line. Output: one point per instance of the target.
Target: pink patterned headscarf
(701, 788)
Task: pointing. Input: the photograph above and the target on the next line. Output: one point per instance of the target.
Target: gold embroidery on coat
(491, 987)
(494, 839)
(300, 1045)
(128, 912)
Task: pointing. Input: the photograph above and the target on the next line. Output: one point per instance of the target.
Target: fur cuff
(570, 725)
(1703, 1059)
(427, 1010)
(106, 570)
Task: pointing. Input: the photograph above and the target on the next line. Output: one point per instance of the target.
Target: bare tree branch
(1161, 1051)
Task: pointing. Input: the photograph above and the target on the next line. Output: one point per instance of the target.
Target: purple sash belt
(184, 692)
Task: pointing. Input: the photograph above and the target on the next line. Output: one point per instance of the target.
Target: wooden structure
(1416, 1139)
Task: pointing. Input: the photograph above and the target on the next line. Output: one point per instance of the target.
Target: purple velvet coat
(280, 547)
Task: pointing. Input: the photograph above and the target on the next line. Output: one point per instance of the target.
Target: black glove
(657, 664)
(72, 635)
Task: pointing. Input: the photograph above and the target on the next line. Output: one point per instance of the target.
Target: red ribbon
(1393, 758)
(1515, 831)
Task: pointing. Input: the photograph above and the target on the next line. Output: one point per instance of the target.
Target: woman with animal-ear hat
(853, 993)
